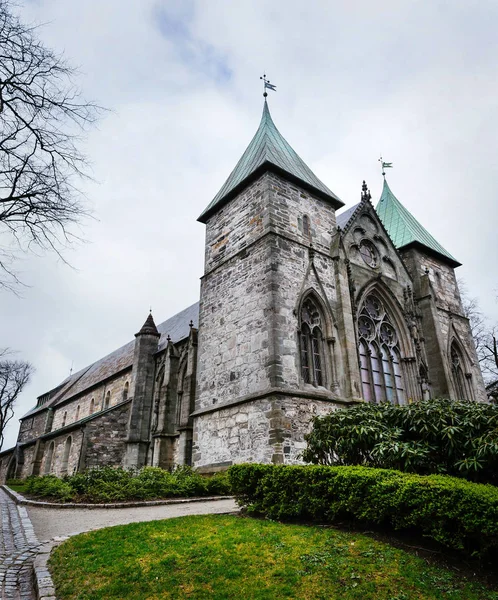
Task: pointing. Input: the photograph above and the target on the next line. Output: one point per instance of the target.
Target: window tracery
(311, 343)
(368, 253)
(380, 356)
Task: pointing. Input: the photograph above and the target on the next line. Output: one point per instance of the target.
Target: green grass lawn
(230, 557)
(17, 487)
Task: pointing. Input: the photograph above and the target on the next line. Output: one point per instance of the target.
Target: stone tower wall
(260, 260)
(443, 319)
(235, 304)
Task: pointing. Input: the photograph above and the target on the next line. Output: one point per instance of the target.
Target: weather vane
(267, 85)
(385, 165)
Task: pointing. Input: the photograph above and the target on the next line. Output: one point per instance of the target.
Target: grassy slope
(229, 557)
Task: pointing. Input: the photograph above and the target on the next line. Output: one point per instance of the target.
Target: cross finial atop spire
(385, 165)
(267, 85)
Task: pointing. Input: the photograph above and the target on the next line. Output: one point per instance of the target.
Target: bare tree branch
(14, 375)
(42, 117)
(485, 336)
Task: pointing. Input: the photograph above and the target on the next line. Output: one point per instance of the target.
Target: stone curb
(42, 581)
(44, 586)
(21, 500)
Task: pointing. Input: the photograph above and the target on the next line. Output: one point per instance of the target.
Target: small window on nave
(64, 419)
(107, 401)
(306, 226)
(92, 406)
(125, 391)
(379, 352)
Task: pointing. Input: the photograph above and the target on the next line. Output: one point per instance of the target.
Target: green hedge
(108, 484)
(454, 512)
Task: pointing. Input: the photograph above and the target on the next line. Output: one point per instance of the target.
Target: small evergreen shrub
(442, 436)
(50, 486)
(454, 512)
(107, 484)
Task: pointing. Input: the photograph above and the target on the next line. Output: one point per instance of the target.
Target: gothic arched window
(65, 457)
(457, 372)
(107, 401)
(380, 357)
(49, 458)
(312, 365)
(125, 391)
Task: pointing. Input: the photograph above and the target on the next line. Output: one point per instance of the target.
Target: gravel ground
(52, 522)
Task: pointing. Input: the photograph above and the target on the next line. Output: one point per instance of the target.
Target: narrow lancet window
(311, 337)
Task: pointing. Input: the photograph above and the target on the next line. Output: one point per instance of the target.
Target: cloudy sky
(413, 80)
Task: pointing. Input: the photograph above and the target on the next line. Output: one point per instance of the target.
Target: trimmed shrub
(443, 436)
(456, 513)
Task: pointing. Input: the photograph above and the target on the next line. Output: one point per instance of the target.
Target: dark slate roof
(344, 217)
(404, 229)
(269, 148)
(177, 327)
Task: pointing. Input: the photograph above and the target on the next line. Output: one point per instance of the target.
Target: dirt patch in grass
(226, 557)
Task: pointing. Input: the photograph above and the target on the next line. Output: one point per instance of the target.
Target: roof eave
(263, 168)
(428, 250)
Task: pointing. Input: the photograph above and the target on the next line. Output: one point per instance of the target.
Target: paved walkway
(18, 548)
(21, 529)
(55, 522)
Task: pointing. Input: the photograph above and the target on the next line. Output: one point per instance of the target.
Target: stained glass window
(380, 366)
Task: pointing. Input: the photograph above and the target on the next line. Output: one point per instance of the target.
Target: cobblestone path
(18, 548)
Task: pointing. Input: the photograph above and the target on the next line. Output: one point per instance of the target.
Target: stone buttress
(138, 438)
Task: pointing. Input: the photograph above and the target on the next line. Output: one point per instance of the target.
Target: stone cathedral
(304, 308)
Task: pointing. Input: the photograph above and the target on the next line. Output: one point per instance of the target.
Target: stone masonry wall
(98, 394)
(28, 454)
(32, 427)
(254, 431)
(59, 443)
(105, 438)
(5, 458)
(235, 301)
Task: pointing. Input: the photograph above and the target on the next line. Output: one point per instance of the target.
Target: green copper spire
(404, 229)
(268, 150)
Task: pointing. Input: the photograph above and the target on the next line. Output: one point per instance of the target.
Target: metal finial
(191, 324)
(267, 85)
(168, 339)
(385, 165)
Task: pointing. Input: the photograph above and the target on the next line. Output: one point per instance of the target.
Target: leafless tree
(14, 375)
(485, 336)
(42, 119)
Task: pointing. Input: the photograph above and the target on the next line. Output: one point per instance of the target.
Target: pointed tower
(268, 235)
(138, 440)
(453, 366)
